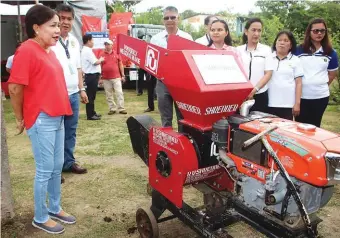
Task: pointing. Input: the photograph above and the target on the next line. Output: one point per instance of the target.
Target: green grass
(115, 185)
(330, 120)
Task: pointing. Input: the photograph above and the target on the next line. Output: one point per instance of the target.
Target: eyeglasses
(169, 18)
(317, 31)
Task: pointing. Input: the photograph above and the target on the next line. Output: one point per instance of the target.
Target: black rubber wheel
(149, 189)
(146, 223)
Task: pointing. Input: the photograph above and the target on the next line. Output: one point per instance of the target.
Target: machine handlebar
(252, 140)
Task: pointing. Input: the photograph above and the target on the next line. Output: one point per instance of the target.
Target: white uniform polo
(88, 59)
(316, 67)
(70, 65)
(256, 62)
(281, 87)
(161, 39)
(204, 40)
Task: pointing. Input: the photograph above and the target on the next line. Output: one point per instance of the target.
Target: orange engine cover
(300, 149)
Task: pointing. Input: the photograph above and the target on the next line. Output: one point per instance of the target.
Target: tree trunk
(7, 211)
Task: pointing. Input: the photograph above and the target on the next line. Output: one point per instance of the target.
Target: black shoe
(98, 115)
(123, 112)
(139, 94)
(149, 110)
(94, 118)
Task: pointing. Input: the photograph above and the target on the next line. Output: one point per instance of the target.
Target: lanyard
(208, 38)
(65, 47)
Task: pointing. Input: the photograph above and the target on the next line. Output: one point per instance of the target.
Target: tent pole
(19, 21)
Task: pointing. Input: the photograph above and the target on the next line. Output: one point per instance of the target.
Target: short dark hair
(170, 9)
(308, 46)
(87, 38)
(227, 39)
(65, 8)
(248, 24)
(38, 14)
(207, 19)
(290, 37)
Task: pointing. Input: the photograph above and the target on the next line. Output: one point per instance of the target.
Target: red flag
(91, 24)
(119, 24)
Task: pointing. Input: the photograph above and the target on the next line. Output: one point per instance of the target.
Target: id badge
(71, 69)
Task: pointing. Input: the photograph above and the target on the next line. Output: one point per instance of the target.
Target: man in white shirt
(9, 62)
(67, 51)
(92, 70)
(205, 40)
(165, 101)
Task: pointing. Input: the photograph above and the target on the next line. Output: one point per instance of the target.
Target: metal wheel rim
(146, 223)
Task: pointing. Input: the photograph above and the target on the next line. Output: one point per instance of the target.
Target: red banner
(119, 24)
(91, 24)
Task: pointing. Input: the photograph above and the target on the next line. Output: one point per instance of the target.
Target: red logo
(151, 60)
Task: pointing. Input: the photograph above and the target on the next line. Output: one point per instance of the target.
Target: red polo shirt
(43, 77)
(110, 66)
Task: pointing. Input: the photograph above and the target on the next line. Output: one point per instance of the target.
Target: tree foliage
(272, 27)
(119, 6)
(154, 15)
(295, 15)
(188, 13)
(192, 31)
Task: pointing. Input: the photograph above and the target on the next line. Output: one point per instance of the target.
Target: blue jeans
(47, 138)
(71, 124)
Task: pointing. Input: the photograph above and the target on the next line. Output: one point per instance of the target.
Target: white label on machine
(219, 69)
(133, 75)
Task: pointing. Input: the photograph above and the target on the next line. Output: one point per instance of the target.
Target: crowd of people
(290, 80)
(46, 85)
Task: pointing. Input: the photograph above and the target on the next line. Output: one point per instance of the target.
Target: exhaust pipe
(245, 107)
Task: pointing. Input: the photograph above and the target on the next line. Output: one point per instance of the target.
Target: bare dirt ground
(108, 200)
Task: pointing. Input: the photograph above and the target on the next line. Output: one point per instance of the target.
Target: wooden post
(7, 203)
(19, 22)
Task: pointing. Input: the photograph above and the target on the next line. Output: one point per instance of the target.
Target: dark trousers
(261, 102)
(140, 84)
(165, 105)
(311, 110)
(286, 113)
(151, 84)
(91, 81)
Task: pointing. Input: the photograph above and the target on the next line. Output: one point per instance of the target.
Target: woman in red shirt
(40, 102)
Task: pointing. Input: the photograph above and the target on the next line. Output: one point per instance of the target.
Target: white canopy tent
(12, 10)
